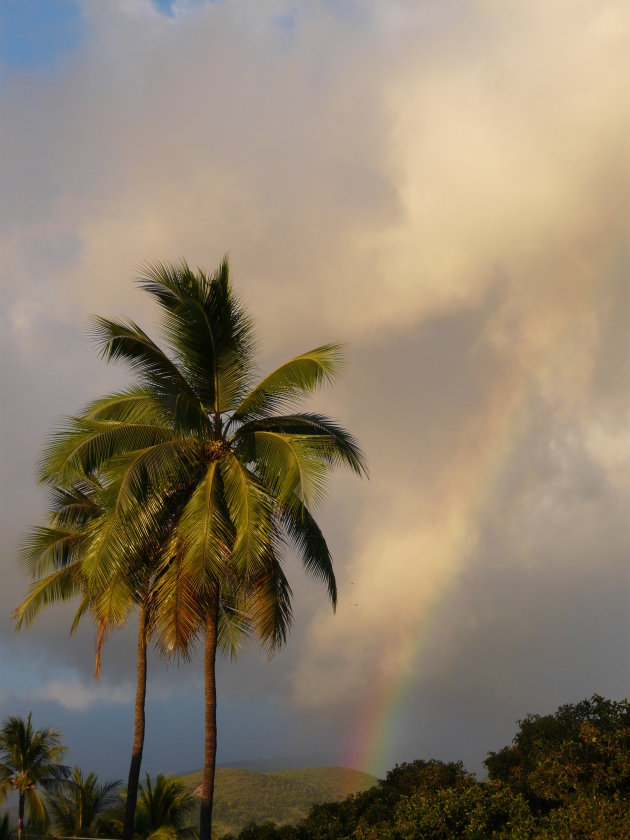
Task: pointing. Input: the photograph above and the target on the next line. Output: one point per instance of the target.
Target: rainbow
(481, 458)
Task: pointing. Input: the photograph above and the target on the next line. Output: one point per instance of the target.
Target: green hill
(283, 796)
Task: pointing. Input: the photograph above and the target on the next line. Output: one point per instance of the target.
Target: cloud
(444, 186)
(74, 694)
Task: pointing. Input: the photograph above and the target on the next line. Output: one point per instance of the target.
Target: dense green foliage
(566, 776)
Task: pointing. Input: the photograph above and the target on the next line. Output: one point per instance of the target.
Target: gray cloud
(441, 186)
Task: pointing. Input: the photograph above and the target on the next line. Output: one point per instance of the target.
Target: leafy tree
(197, 446)
(572, 768)
(372, 809)
(75, 807)
(468, 810)
(581, 750)
(587, 818)
(29, 761)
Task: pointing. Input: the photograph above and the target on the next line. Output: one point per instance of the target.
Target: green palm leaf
(82, 446)
(177, 607)
(46, 549)
(338, 446)
(271, 613)
(250, 509)
(293, 379)
(125, 340)
(291, 466)
(133, 405)
(205, 531)
(60, 585)
(306, 535)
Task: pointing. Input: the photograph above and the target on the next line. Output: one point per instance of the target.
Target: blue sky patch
(164, 6)
(34, 32)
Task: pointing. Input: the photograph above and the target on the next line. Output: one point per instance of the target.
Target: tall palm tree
(75, 807)
(198, 444)
(79, 517)
(29, 760)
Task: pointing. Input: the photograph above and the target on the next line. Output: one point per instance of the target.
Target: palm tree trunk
(207, 784)
(138, 735)
(20, 815)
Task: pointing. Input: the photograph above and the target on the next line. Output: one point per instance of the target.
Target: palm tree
(79, 517)
(29, 759)
(164, 807)
(75, 807)
(81, 514)
(196, 444)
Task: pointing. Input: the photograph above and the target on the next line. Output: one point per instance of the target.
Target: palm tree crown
(204, 473)
(75, 807)
(164, 808)
(29, 760)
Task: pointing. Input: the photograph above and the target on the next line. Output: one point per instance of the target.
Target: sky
(442, 186)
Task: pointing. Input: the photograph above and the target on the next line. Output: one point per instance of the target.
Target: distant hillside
(283, 796)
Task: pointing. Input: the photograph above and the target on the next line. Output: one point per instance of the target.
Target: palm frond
(168, 283)
(133, 405)
(43, 550)
(82, 609)
(290, 466)
(303, 530)
(35, 805)
(250, 509)
(338, 446)
(73, 506)
(205, 532)
(126, 341)
(234, 623)
(157, 470)
(82, 446)
(209, 331)
(61, 585)
(177, 609)
(270, 606)
(293, 379)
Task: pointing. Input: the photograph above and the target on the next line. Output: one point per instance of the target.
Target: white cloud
(74, 694)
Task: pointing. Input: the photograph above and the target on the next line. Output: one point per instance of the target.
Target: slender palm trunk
(20, 815)
(210, 653)
(138, 736)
